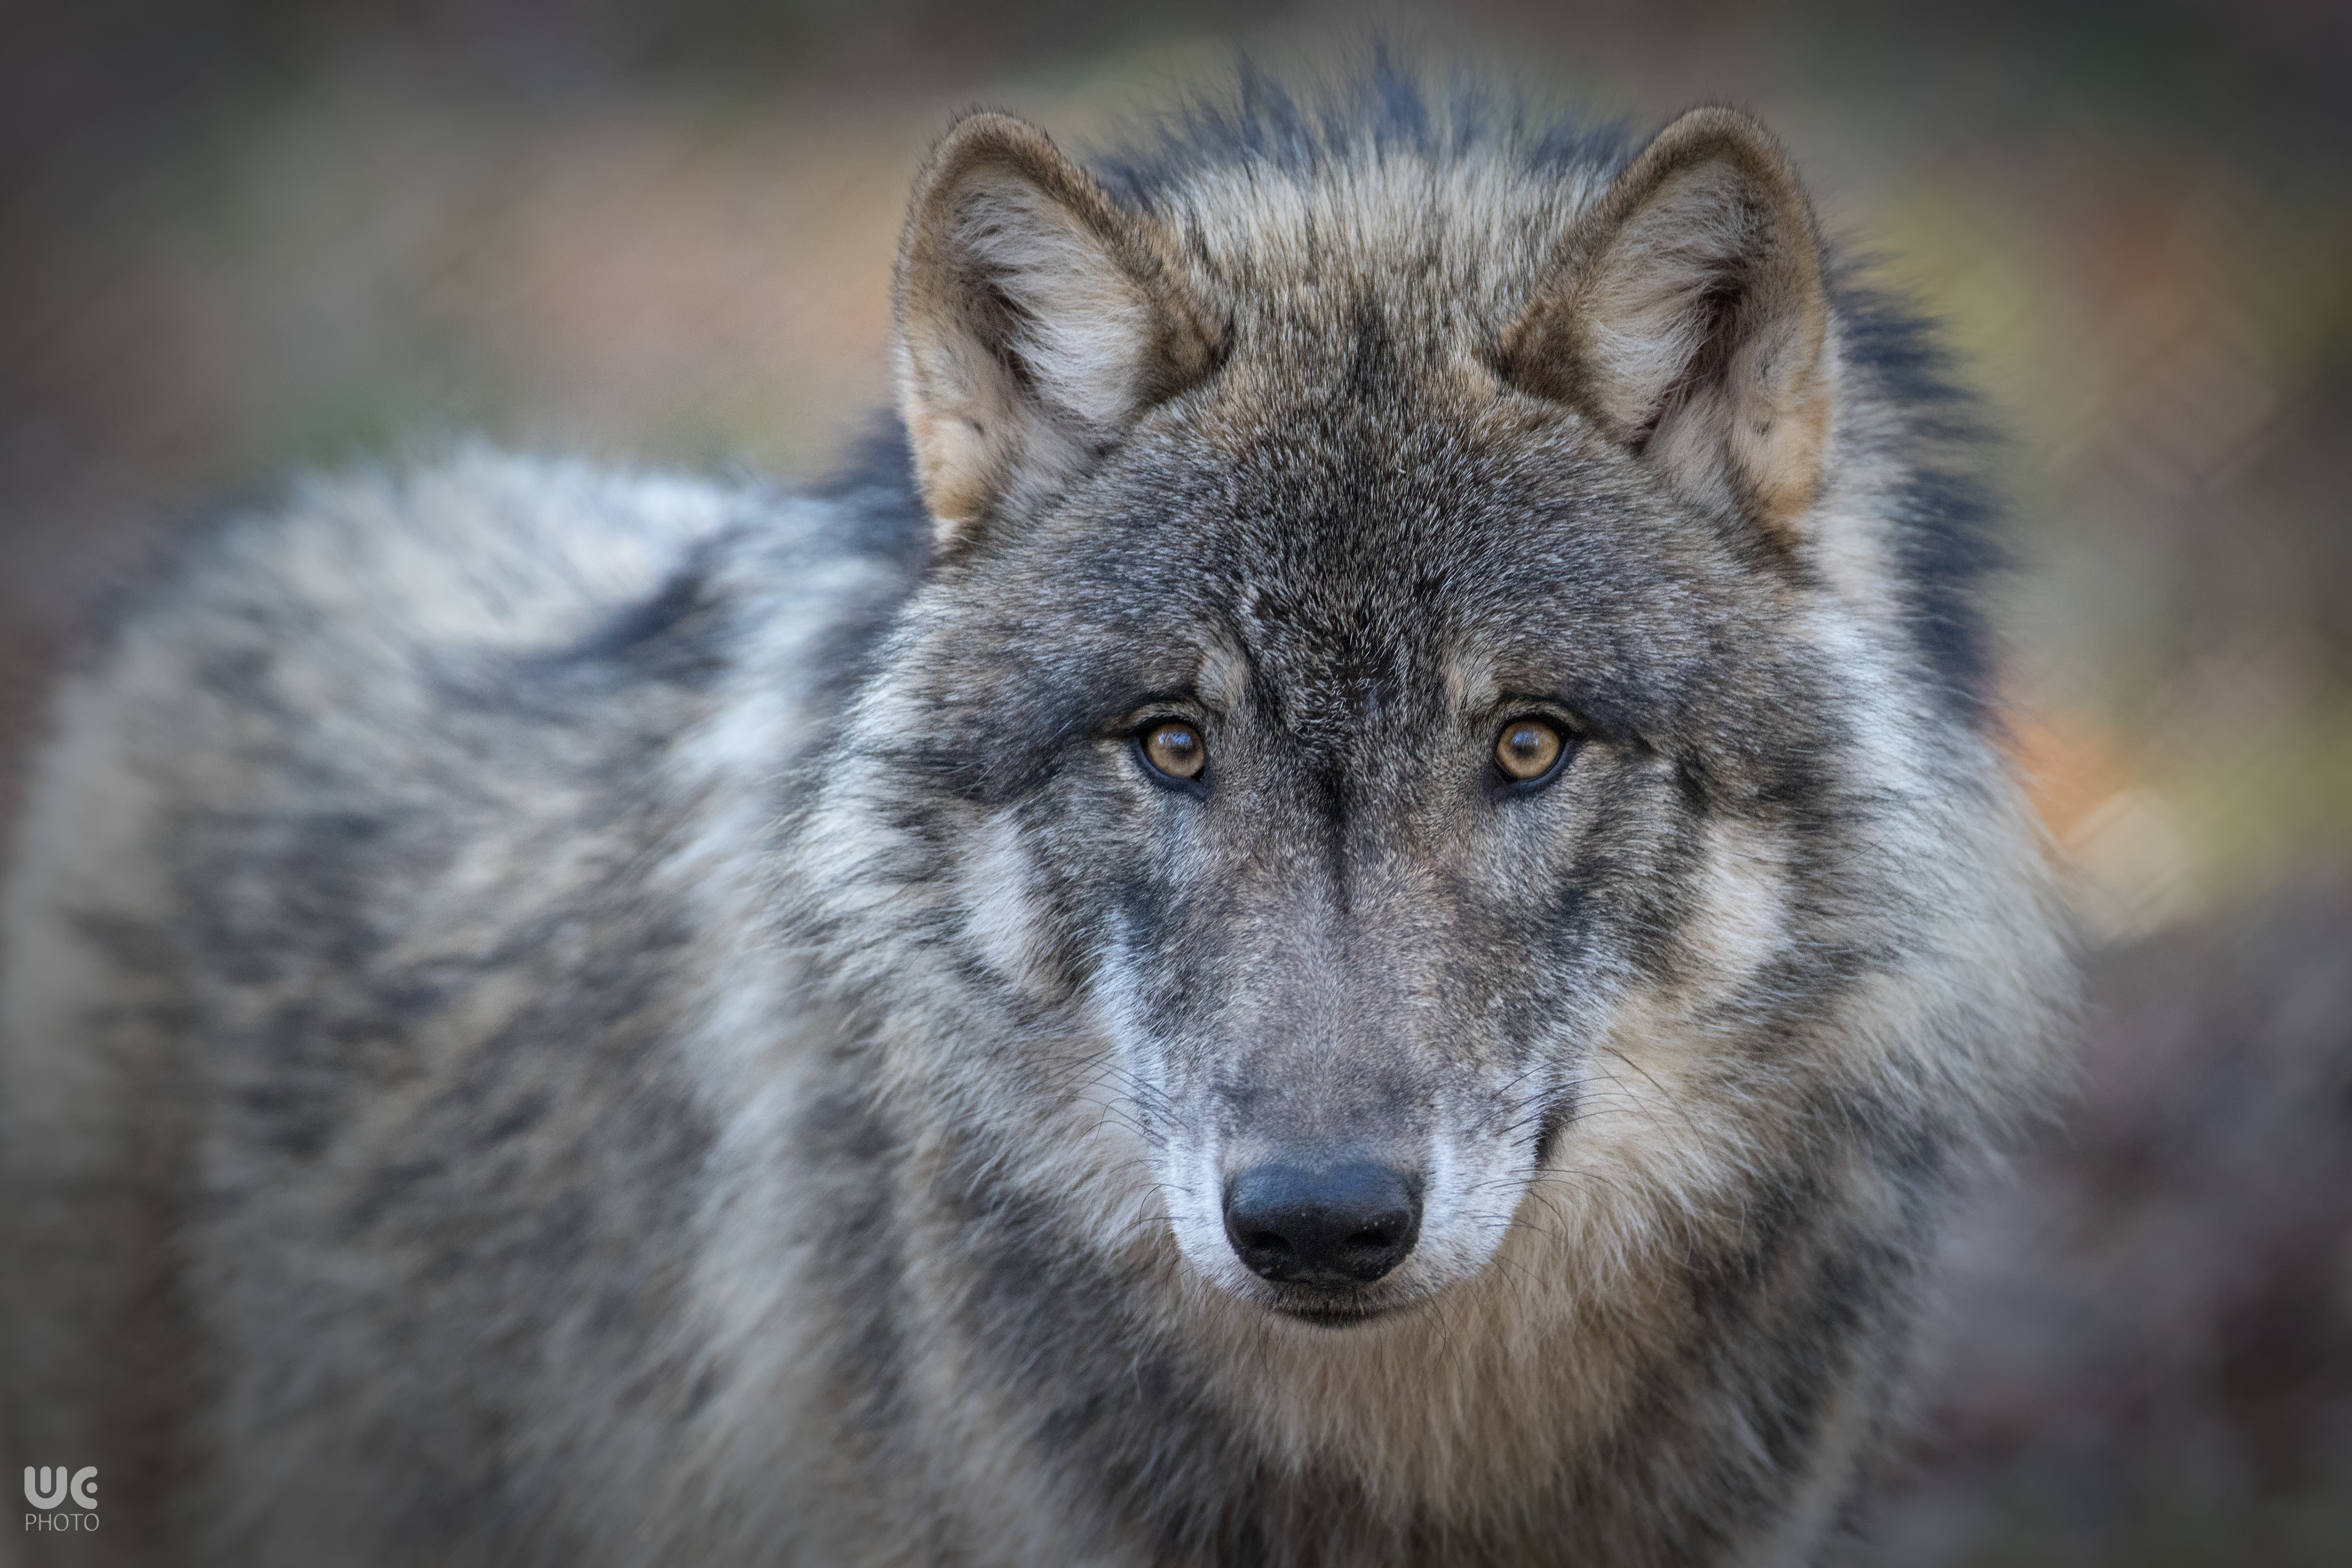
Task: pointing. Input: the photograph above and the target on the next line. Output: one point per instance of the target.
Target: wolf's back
(331, 964)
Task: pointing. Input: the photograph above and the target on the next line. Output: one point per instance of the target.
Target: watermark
(48, 1487)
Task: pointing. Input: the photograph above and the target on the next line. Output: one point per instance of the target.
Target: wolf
(1353, 901)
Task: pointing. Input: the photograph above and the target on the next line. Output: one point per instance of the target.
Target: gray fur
(565, 1016)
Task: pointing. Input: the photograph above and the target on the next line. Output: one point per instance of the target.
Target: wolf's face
(1349, 777)
(1355, 697)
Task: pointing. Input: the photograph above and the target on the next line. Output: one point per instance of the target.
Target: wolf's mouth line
(1340, 1314)
(1335, 1317)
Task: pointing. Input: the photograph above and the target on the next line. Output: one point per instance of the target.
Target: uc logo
(46, 1487)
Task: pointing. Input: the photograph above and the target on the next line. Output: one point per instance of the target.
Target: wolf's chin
(1333, 1321)
(1322, 1310)
(1340, 1315)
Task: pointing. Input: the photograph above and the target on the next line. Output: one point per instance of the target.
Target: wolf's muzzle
(1329, 1226)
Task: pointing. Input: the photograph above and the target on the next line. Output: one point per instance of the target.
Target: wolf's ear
(1037, 318)
(1687, 317)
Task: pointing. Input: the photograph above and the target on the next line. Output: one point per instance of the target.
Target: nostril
(1345, 1223)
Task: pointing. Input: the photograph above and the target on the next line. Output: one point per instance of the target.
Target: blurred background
(237, 238)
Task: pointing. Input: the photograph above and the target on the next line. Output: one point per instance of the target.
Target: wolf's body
(575, 1017)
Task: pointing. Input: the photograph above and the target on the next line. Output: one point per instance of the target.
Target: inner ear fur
(1037, 319)
(1688, 315)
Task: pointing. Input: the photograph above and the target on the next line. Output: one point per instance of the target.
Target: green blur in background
(240, 238)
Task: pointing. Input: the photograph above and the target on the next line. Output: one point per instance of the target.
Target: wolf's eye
(1174, 748)
(1528, 748)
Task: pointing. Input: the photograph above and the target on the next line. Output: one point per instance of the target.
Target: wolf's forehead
(1325, 625)
(1334, 666)
(1463, 237)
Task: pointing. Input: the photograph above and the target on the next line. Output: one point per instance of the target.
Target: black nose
(1340, 1225)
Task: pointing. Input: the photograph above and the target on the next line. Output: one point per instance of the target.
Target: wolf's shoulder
(399, 728)
(486, 645)
(365, 617)
(475, 549)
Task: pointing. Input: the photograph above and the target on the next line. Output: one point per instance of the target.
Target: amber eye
(1527, 748)
(1175, 749)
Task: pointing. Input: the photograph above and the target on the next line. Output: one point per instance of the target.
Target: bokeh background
(239, 237)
